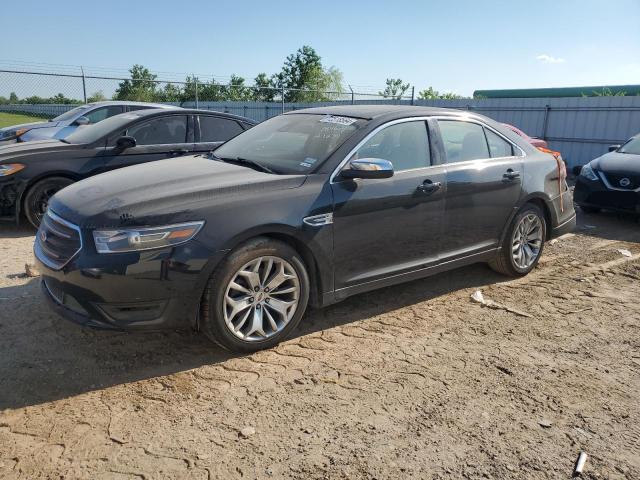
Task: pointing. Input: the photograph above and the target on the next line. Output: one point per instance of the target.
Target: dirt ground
(414, 381)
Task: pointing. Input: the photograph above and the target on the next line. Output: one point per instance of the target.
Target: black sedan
(308, 207)
(612, 181)
(30, 173)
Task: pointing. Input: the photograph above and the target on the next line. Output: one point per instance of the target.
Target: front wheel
(523, 244)
(256, 297)
(37, 198)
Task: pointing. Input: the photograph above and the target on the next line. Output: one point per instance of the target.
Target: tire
(507, 262)
(217, 313)
(590, 209)
(38, 195)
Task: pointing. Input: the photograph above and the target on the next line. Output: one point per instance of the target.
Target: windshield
(91, 133)
(291, 144)
(70, 114)
(632, 146)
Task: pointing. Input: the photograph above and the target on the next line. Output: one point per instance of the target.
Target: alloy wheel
(261, 298)
(527, 241)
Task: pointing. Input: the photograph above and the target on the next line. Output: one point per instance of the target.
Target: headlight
(136, 239)
(588, 172)
(10, 168)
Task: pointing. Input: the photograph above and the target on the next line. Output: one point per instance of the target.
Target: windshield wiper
(246, 162)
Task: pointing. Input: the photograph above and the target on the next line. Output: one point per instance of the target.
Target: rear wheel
(523, 244)
(256, 297)
(37, 198)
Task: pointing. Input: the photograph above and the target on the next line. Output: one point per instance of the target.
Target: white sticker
(339, 120)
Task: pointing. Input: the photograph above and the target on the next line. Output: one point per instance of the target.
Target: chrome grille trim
(54, 225)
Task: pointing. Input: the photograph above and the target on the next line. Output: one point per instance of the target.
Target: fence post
(84, 85)
(282, 98)
(545, 122)
(413, 94)
(352, 97)
(196, 82)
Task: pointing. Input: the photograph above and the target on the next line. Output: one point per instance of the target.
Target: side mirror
(125, 142)
(613, 148)
(368, 168)
(82, 121)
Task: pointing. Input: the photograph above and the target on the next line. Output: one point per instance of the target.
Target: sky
(452, 45)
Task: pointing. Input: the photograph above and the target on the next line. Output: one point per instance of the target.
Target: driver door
(157, 138)
(390, 226)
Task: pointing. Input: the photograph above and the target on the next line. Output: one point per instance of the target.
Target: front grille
(57, 241)
(629, 182)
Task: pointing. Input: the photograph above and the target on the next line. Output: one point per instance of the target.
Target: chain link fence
(50, 94)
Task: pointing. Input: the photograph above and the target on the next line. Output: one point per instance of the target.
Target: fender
(538, 197)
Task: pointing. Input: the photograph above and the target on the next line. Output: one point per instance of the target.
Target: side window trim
(516, 150)
(378, 129)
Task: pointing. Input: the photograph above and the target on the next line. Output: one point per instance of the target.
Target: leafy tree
(265, 91)
(236, 90)
(170, 93)
(395, 88)
(432, 94)
(96, 97)
(141, 87)
(13, 98)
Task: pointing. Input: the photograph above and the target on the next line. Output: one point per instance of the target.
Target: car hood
(165, 191)
(615, 162)
(28, 125)
(13, 151)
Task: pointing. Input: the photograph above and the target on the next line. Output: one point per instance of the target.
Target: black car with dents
(306, 208)
(31, 172)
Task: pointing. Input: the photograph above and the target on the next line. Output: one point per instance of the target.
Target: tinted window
(160, 131)
(498, 146)
(216, 129)
(406, 145)
(103, 113)
(463, 141)
(133, 108)
(70, 114)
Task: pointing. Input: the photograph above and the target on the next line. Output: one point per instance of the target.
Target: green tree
(264, 91)
(432, 94)
(395, 88)
(13, 98)
(170, 93)
(96, 97)
(236, 90)
(141, 87)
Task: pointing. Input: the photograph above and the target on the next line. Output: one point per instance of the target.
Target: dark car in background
(64, 125)
(30, 173)
(612, 181)
(308, 207)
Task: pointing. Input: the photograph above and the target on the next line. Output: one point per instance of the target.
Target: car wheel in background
(256, 297)
(37, 198)
(523, 243)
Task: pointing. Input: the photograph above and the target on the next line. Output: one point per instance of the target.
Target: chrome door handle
(428, 187)
(510, 175)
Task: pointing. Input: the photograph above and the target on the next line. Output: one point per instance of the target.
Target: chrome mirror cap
(368, 168)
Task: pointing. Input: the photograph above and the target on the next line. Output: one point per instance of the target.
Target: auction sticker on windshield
(339, 120)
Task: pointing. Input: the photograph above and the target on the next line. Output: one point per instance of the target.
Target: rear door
(484, 183)
(211, 131)
(157, 138)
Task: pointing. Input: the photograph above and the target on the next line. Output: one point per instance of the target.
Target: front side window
(498, 146)
(292, 143)
(216, 129)
(463, 141)
(73, 113)
(405, 145)
(103, 113)
(160, 131)
(632, 146)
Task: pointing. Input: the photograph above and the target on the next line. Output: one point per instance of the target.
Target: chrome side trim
(319, 220)
(604, 179)
(461, 118)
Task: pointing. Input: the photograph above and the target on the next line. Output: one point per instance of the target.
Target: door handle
(510, 175)
(428, 187)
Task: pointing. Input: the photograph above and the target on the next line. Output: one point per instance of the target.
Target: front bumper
(593, 193)
(151, 290)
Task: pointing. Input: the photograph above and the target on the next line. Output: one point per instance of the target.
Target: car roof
(128, 102)
(371, 112)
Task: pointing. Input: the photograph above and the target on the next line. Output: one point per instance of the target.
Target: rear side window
(160, 131)
(103, 113)
(133, 108)
(463, 141)
(498, 146)
(405, 145)
(216, 129)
